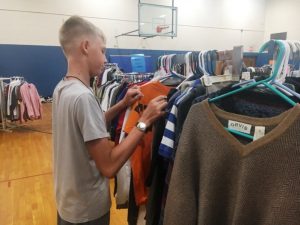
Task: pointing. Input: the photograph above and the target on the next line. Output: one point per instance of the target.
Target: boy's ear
(84, 46)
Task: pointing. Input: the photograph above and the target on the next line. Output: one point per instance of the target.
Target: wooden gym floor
(26, 185)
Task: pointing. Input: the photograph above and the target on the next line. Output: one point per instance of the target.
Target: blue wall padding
(123, 56)
(261, 58)
(45, 66)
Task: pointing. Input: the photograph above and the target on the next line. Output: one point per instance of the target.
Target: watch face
(141, 126)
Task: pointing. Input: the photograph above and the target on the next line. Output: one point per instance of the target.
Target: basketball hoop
(160, 28)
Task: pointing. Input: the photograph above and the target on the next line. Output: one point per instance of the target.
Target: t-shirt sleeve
(90, 118)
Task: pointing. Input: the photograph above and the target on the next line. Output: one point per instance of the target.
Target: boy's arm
(110, 159)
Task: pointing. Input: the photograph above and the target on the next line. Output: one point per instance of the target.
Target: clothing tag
(259, 132)
(210, 80)
(238, 126)
(228, 70)
(246, 76)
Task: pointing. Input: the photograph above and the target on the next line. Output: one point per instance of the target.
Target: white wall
(283, 16)
(203, 24)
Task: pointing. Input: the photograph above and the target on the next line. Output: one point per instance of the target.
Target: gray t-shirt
(82, 193)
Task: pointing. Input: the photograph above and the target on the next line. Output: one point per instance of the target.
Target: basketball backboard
(157, 20)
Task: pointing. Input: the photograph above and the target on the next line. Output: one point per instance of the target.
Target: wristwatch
(141, 126)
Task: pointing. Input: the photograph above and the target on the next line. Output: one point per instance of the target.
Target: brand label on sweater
(238, 126)
(259, 132)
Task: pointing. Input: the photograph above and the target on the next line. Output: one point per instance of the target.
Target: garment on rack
(105, 77)
(22, 101)
(118, 134)
(110, 94)
(159, 167)
(105, 103)
(250, 103)
(294, 81)
(219, 178)
(30, 102)
(140, 160)
(167, 142)
(14, 111)
(2, 100)
(260, 104)
(162, 161)
(10, 95)
(114, 94)
(117, 122)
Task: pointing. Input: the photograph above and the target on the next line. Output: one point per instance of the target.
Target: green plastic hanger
(263, 82)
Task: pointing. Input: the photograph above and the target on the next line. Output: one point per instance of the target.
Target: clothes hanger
(265, 82)
(280, 78)
(172, 77)
(283, 70)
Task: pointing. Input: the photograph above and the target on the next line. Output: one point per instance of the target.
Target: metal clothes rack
(236, 58)
(2, 103)
(112, 65)
(133, 77)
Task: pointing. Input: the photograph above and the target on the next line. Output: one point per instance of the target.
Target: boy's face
(97, 56)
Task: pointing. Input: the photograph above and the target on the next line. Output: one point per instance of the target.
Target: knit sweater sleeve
(182, 200)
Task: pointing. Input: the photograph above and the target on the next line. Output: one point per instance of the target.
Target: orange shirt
(140, 159)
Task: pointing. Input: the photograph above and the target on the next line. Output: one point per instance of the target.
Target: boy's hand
(154, 110)
(133, 94)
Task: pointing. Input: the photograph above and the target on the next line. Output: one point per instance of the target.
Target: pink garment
(35, 99)
(31, 102)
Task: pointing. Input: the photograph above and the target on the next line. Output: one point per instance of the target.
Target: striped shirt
(166, 147)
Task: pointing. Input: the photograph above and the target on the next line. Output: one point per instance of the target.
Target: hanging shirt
(167, 145)
(11, 86)
(219, 178)
(124, 174)
(140, 159)
(30, 102)
(167, 142)
(105, 101)
(104, 76)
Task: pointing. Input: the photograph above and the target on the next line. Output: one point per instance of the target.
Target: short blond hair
(76, 27)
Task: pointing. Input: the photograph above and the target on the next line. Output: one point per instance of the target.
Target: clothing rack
(109, 65)
(17, 78)
(2, 109)
(204, 62)
(113, 66)
(133, 77)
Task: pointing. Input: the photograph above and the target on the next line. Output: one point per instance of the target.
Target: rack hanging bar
(148, 56)
(110, 64)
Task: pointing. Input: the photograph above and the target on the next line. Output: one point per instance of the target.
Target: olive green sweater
(219, 180)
